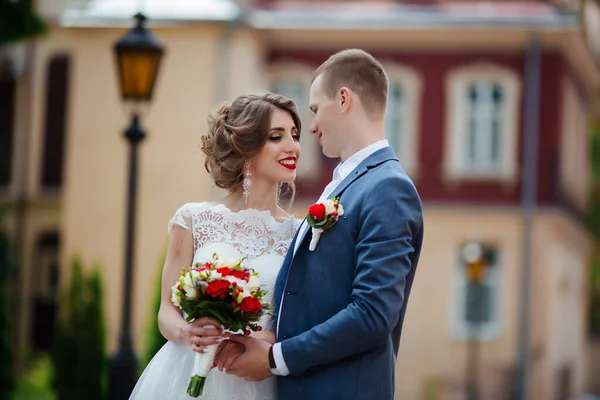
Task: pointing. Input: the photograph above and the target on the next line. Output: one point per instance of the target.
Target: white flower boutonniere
(323, 216)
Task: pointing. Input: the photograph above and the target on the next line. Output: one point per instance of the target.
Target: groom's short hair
(358, 71)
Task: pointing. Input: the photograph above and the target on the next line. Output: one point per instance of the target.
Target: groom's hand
(227, 353)
(253, 365)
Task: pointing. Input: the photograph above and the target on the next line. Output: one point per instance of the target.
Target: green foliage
(19, 21)
(36, 382)
(7, 267)
(430, 389)
(594, 226)
(79, 353)
(154, 339)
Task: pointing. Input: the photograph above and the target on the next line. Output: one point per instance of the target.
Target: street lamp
(138, 57)
(475, 261)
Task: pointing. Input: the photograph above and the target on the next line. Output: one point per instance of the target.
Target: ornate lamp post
(138, 57)
(476, 269)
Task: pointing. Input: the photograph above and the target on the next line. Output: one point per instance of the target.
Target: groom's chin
(328, 154)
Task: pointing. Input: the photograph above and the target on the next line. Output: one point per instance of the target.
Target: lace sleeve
(183, 218)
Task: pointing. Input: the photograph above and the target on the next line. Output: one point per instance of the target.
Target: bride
(252, 148)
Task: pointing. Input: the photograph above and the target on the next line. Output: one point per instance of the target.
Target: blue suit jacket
(344, 303)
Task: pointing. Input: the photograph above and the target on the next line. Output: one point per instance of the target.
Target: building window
(402, 114)
(477, 305)
(7, 121)
(482, 123)
(394, 116)
(485, 115)
(57, 88)
(45, 290)
(292, 80)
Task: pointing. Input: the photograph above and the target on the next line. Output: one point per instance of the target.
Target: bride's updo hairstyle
(237, 132)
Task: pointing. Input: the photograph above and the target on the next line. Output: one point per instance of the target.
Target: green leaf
(312, 222)
(218, 316)
(19, 21)
(78, 352)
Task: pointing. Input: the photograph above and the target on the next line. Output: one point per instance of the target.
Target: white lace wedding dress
(264, 242)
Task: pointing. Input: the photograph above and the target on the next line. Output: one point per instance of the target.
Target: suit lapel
(374, 160)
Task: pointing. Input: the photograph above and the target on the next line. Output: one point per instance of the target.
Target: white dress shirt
(339, 174)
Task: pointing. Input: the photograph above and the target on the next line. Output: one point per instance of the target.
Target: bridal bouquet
(225, 290)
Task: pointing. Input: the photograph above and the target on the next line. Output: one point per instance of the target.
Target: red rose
(218, 288)
(251, 305)
(318, 211)
(241, 274)
(224, 271)
(180, 289)
(205, 267)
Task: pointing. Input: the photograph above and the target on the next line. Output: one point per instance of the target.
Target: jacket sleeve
(389, 221)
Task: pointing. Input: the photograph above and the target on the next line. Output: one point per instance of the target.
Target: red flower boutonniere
(322, 216)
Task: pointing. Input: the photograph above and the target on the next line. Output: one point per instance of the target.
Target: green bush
(19, 21)
(7, 266)
(154, 339)
(79, 353)
(594, 226)
(36, 382)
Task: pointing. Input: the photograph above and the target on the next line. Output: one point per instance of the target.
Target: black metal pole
(123, 372)
(473, 344)
(528, 205)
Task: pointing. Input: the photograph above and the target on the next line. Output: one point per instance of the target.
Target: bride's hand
(227, 353)
(198, 337)
(267, 336)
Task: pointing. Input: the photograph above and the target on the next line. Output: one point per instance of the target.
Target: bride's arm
(171, 323)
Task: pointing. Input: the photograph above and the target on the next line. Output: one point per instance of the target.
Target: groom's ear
(344, 100)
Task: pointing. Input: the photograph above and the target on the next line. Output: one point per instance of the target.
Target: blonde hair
(360, 72)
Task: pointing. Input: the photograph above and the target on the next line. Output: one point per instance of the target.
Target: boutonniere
(322, 216)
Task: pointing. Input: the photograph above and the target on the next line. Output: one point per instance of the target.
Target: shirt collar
(345, 168)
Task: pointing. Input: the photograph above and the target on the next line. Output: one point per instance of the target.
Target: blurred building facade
(456, 117)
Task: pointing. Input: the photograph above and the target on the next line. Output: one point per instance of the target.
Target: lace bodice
(252, 234)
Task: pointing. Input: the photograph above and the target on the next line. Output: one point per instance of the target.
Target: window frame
(460, 328)
(457, 83)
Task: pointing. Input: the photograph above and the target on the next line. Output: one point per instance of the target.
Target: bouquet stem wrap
(202, 364)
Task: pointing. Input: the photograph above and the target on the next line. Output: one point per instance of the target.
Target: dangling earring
(247, 183)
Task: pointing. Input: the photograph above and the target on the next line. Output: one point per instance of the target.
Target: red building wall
(433, 68)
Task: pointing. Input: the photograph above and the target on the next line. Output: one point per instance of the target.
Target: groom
(340, 307)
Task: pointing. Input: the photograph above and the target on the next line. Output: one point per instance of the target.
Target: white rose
(188, 287)
(229, 263)
(340, 210)
(242, 284)
(203, 286)
(329, 207)
(194, 274)
(232, 279)
(242, 296)
(215, 275)
(253, 283)
(175, 298)
(204, 274)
